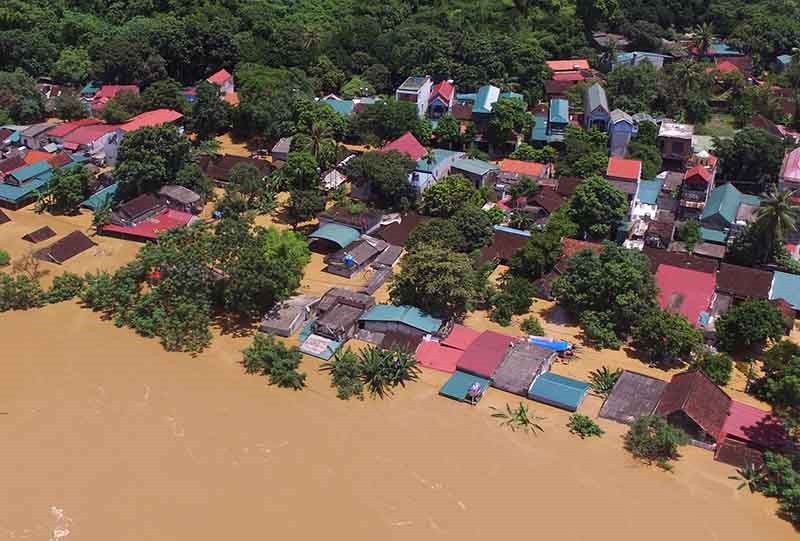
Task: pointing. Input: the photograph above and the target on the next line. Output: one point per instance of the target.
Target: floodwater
(103, 435)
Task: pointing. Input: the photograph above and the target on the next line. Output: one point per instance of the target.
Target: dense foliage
(268, 357)
(653, 440)
(749, 325)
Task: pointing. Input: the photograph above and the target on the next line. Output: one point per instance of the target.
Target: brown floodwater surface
(104, 436)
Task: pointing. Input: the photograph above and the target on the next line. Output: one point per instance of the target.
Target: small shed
(633, 396)
(355, 257)
(41, 234)
(386, 318)
(558, 391)
(68, 247)
(465, 387)
(287, 317)
(339, 312)
(280, 151)
(181, 198)
(523, 363)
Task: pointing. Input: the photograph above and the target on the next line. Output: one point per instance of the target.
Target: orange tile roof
(219, 77)
(531, 169)
(622, 169)
(568, 65)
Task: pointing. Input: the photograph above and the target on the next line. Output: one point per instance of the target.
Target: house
(507, 241)
(726, 210)
(390, 318)
(58, 133)
(595, 108)
(39, 235)
(149, 224)
(743, 283)
(181, 198)
(559, 391)
(433, 166)
(280, 152)
(634, 395)
(108, 92)
(522, 364)
(286, 318)
(645, 199)
(693, 403)
(681, 260)
(525, 169)
(550, 127)
(364, 222)
(397, 232)
(695, 190)
(787, 287)
(789, 178)
(219, 167)
(747, 433)
(686, 292)
(441, 99)
(624, 170)
(27, 173)
(21, 186)
(620, 129)
(485, 353)
(431, 353)
(406, 144)
(355, 257)
(465, 387)
(568, 70)
(224, 80)
(92, 139)
(101, 197)
(67, 247)
(137, 210)
(783, 61)
(148, 119)
(483, 101)
(635, 58)
(675, 142)
(333, 236)
(338, 313)
(481, 173)
(416, 90)
(35, 137)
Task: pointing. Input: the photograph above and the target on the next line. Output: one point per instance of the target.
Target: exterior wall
(392, 326)
(621, 133)
(675, 149)
(35, 143)
(597, 118)
(421, 97)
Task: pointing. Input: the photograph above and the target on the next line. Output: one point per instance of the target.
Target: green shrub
(717, 366)
(5, 259)
(532, 326)
(65, 287)
(382, 370)
(653, 440)
(268, 357)
(584, 426)
(19, 293)
(345, 374)
(603, 380)
(599, 330)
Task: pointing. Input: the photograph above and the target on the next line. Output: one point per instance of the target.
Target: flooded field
(106, 436)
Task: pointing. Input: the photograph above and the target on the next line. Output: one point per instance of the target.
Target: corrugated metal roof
(787, 287)
(343, 107)
(409, 315)
(558, 391)
(99, 198)
(595, 98)
(439, 155)
(725, 200)
(486, 98)
(13, 194)
(336, 233)
(476, 167)
(459, 384)
(713, 235)
(559, 110)
(649, 190)
(24, 174)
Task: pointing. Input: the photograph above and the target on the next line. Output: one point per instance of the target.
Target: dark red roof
(69, 246)
(12, 163)
(697, 396)
(110, 91)
(151, 228)
(407, 144)
(4, 217)
(43, 233)
(570, 247)
(743, 282)
(549, 199)
(762, 122)
(443, 89)
(461, 337)
(397, 233)
(676, 259)
(86, 135)
(556, 88)
(68, 127)
(485, 354)
(461, 111)
(503, 247)
(567, 185)
(753, 425)
(698, 172)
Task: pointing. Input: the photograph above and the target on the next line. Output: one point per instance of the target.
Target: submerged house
(695, 404)
(339, 311)
(355, 257)
(521, 365)
(286, 317)
(406, 320)
(634, 395)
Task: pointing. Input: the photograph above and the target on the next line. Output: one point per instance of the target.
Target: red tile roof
(698, 172)
(623, 169)
(568, 65)
(150, 119)
(569, 76)
(431, 354)
(68, 127)
(232, 98)
(754, 425)
(150, 229)
(461, 337)
(219, 77)
(697, 396)
(530, 169)
(56, 159)
(570, 247)
(88, 134)
(110, 91)
(406, 144)
(485, 354)
(790, 169)
(685, 291)
(725, 66)
(445, 89)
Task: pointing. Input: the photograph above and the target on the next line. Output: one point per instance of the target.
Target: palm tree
(750, 477)
(777, 217)
(320, 134)
(518, 419)
(311, 37)
(703, 38)
(603, 380)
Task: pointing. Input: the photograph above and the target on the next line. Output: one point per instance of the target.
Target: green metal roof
(649, 190)
(336, 233)
(559, 110)
(787, 287)
(558, 391)
(343, 107)
(486, 98)
(511, 96)
(409, 315)
(459, 383)
(14, 194)
(725, 200)
(539, 130)
(476, 167)
(99, 199)
(34, 170)
(713, 235)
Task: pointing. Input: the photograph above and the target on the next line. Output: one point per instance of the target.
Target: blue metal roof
(459, 384)
(787, 287)
(506, 229)
(559, 110)
(713, 235)
(785, 59)
(539, 129)
(725, 200)
(343, 107)
(14, 194)
(723, 49)
(439, 155)
(99, 198)
(34, 170)
(649, 190)
(409, 315)
(477, 167)
(486, 98)
(558, 391)
(336, 233)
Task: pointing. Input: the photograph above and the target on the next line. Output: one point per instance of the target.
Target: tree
(439, 231)
(518, 418)
(305, 205)
(5, 259)
(509, 118)
(703, 38)
(300, 171)
(122, 107)
(164, 94)
(653, 440)
(386, 173)
(648, 154)
(20, 293)
(526, 187)
(749, 325)
(268, 357)
(780, 385)
(615, 286)
(436, 280)
(526, 152)
(68, 107)
(689, 232)
(20, 98)
(191, 176)
(385, 120)
(532, 326)
(150, 158)
(448, 133)
(345, 371)
(777, 217)
(318, 143)
(357, 86)
(717, 366)
(596, 207)
(662, 336)
(73, 66)
(448, 195)
(246, 180)
(751, 159)
(633, 88)
(585, 153)
(603, 380)
(783, 482)
(382, 370)
(210, 114)
(537, 257)
(66, 190)
(65, 287)
(476, 227)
